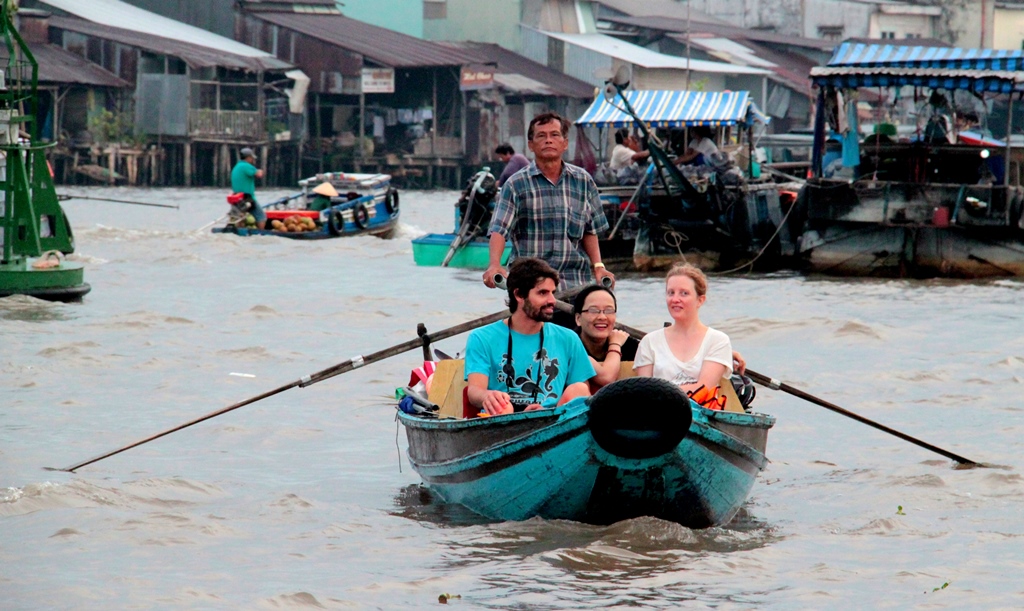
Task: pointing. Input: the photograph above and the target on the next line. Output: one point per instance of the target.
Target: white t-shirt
(622, 156)
(705, 146)
(654, 349)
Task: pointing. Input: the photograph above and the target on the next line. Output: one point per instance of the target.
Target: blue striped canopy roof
(850, 54)
(874, 65)
(674, 109)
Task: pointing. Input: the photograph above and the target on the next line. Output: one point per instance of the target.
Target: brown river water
(306, 500)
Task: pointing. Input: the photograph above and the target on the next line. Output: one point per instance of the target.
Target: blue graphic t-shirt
(563, 362)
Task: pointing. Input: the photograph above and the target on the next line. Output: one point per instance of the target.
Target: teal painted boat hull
(430, 250)
(548, 464)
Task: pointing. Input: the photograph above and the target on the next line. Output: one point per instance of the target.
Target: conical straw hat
(326, 189)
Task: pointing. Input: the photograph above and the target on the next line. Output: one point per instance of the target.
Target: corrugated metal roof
(196, 56)
(379, 45)
(789, 68)
(645, 58)
(517, 83)
(521, 74)
(674, 109)
(117, 14)
(679, 26)
(57, 65)
(656, 8)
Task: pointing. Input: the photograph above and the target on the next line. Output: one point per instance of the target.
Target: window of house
(75, 42)
(435, 9)
(830, 32)
(888, 35)
(152, 64)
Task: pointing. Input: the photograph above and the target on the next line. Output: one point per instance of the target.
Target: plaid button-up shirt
(548, 220)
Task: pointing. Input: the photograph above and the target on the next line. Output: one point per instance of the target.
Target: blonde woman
(688, 352)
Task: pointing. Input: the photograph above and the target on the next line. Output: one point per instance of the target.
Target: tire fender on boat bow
(391, 201)
(640, 417)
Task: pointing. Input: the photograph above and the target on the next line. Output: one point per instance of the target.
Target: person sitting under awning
(702, 147)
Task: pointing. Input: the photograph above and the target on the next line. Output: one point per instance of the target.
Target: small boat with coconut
(35, 234)
(330, 205)
(638, 447)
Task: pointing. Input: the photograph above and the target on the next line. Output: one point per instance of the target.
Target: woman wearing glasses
(606, 346)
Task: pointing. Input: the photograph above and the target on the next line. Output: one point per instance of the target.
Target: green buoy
(34, 231)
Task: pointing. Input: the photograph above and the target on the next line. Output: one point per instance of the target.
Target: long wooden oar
(796, 392)
(344, 367)
(118, 201)
(353, 363)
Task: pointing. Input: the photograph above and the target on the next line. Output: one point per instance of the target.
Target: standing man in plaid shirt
(550, 210)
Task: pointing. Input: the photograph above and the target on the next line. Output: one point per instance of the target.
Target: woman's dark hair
(504, 149)
(621, 135)
(581, 297)
(523, 275)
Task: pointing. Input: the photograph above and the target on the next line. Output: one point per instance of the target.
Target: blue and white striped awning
(850, 54)
(674, 109)
(873, 65)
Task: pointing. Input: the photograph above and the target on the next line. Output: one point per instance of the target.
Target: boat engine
(474, 207)
(640, 417)
(241, 205)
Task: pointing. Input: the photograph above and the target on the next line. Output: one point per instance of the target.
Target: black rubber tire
(361, 216)
(391, 201)
(640, 417)
(336, 222)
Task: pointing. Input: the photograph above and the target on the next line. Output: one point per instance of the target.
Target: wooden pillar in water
(1009, 132)
(225, 165)
(264, 163)
(187, 164)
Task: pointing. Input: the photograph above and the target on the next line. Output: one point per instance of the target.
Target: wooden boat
(717, 217)
(917, 202)
(34, 231)
(639, 447)
(337, 205)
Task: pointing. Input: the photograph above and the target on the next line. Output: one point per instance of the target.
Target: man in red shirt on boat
(243, 180)
(523, 363)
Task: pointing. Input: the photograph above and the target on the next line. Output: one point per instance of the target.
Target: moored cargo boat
(718, 215)
(931, 197)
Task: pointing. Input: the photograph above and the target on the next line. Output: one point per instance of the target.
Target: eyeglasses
(542, 136)
(594, 311)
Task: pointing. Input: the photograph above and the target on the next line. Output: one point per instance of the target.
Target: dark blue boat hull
(548, 464)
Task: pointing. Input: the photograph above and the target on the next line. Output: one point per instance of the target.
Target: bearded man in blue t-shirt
(523, 363)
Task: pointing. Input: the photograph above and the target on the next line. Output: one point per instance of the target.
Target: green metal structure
(34, 231)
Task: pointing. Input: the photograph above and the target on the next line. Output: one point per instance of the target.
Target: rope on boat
(48, 260)
(763, 248)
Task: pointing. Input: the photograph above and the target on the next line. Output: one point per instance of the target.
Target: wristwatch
(598, 265)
